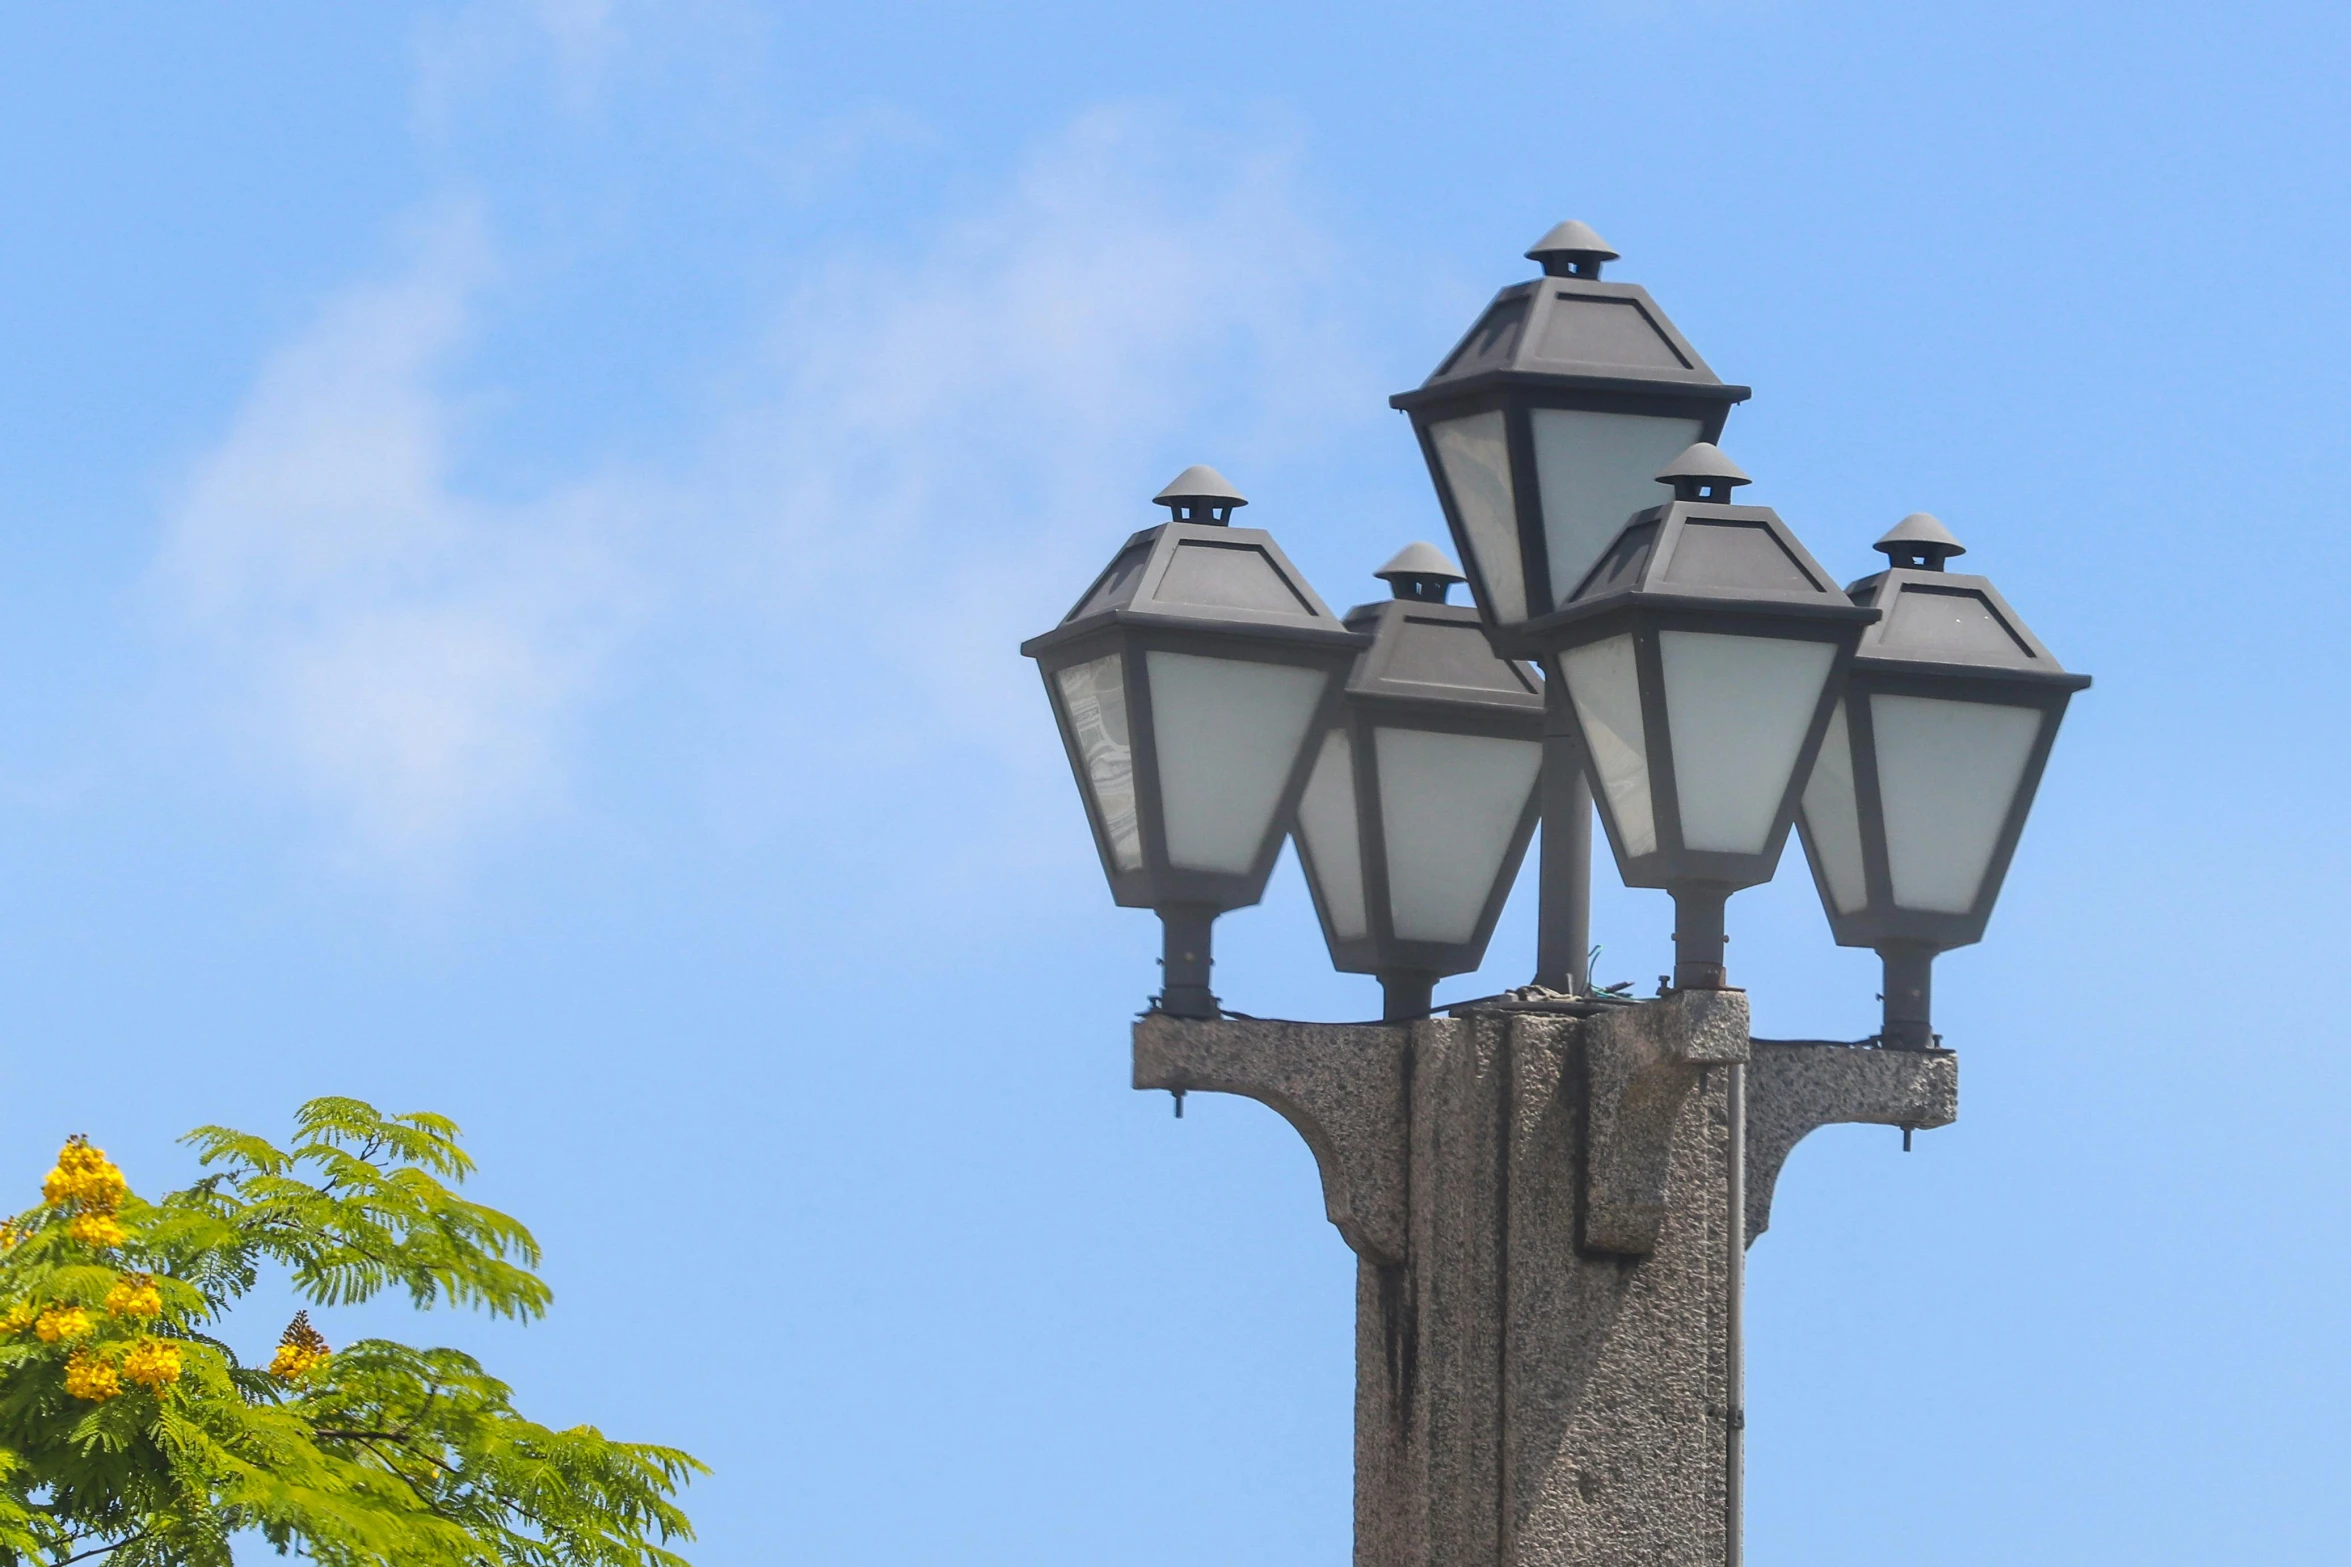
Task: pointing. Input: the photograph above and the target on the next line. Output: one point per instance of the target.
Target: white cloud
(412, 655)
(979, 425)
(927, 457)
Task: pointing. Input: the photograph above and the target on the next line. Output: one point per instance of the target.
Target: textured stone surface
(1643, 1062)
(1798, 1086)
(1342, 1087)
(1539, 1210)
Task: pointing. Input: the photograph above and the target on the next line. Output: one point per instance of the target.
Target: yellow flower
(61, 1322)
(88, 1377)
(134, 1295)
(17, 1318)
(85, 1177)
(153, 1363)
(301, 1351)
(290, 1363)
(97, 1229)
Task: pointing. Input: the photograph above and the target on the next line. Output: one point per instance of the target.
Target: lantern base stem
(1406, 994)
(1909, 994)
(1185, 960)
(1563, 927)
(1698, 936)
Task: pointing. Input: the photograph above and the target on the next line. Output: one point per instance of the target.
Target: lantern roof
(1569, 332)
(1423, 652)
(1934, 622)
(1201, 576)
(1710, 551)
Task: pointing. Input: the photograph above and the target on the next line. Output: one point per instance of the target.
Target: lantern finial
(1702, 473)
(1920, 542)
(1420, 571)
(1200, 494)
(1571, 249)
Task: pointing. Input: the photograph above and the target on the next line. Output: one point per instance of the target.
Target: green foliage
(129, 1433)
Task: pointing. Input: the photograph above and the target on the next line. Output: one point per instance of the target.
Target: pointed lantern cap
(1919, 540)
(1570, 249)
(1702, 472)
(1199, 485)
(1703, 460)
(1420, 560)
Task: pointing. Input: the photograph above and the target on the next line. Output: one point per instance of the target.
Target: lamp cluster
(1683, 656)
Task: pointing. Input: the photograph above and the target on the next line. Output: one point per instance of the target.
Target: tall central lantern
(1543, 430)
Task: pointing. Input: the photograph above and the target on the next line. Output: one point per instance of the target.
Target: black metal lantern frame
(1943, 637)
(1670, 861)
(1562, 343)
(1184, 590)
(1708, 568)
(1428, 672)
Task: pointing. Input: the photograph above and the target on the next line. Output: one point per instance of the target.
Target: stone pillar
(1536, 1201)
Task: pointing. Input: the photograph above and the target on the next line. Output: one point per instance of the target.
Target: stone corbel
(1342, 1086)
(1797, 1086)
(1641, 1063)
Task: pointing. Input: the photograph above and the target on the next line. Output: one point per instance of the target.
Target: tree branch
(101, 1550)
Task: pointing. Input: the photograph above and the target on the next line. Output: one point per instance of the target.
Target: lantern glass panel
(1604, 681)
(1596, 470)
(1449, 807)
(1948, 773)
(1094, 701)
(1327, 823)
(1476, 454)
(1228, 731)
(1833, 814)
(1738, 709)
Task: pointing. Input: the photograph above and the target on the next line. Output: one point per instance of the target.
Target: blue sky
(514, 525)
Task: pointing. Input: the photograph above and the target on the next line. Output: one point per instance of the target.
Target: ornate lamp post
(1551, 1196)
(1422, 797)
(1930, 767)
(1542, 429)
(1190, 682)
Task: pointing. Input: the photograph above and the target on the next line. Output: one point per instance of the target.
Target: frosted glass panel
(1596, 470)
(1476, 456)
(1832, 816)
(1448, 807)
(1228, 732)
(1737, 709)
(1326, 824)
(1094, 700)
(1606, 689)
(1948, 772)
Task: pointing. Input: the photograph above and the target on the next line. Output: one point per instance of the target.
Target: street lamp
(1422, 798)
(1189, 683)
(1702, 657)
(1542, 430)
(1929, 768)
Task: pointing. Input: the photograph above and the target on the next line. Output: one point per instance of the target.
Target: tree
(128, 1432)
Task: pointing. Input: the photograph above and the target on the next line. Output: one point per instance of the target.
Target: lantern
(1190, 683)
(1422, 798)
(1929, 768)
(1702, 658)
